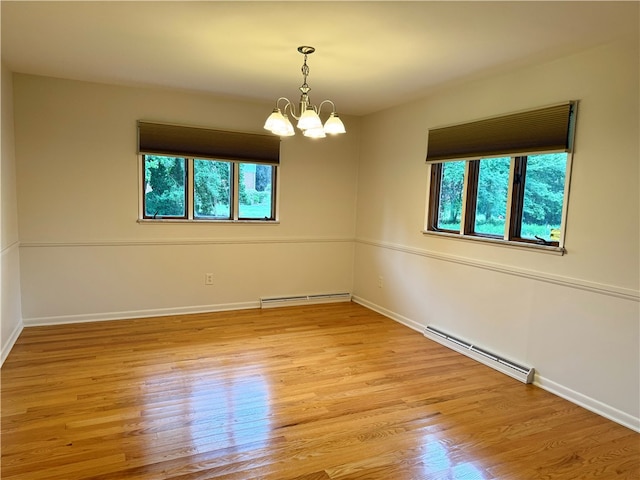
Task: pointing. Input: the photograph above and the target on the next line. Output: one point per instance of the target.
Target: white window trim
(190, 198)
(504, 242)
(500, 242)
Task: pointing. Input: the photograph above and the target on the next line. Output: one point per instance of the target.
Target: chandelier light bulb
(309, 120)
(283, 127)
(314, 132)
(288, 128)
(334, 125)
(274, 120)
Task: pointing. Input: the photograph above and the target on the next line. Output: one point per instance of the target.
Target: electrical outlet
(208, 278)
(380, 281)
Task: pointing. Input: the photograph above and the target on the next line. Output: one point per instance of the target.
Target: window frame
(234, 193)
(143, 186)
(433, 207)
(514, 208)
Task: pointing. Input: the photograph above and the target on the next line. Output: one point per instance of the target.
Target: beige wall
(10, 308)
(575, 318)
(84, 256)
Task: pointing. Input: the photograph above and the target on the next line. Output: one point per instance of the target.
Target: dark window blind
(541, 130)
(182, 141)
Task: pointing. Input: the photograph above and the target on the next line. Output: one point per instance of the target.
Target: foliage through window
(212, 189)
(518, 199)
(202, 189)
(450, 196)
(165, 192)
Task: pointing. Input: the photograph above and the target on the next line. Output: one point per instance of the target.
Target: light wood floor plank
(328, 392)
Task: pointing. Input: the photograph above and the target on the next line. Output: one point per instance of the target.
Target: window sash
(272, 213)
(473, 189)
(437, 173)
(232, 188)
(186, 199)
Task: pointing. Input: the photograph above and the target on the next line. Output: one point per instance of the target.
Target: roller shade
(182, 141)
(541, 130)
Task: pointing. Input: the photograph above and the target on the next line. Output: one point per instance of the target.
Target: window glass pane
(212, 189)
(164, 186)
(450, 201)
(543, 196)
(256, 187)
(491, 205)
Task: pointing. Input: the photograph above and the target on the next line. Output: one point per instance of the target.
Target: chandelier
(308, 119)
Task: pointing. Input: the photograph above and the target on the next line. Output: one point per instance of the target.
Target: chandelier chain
(305, 73)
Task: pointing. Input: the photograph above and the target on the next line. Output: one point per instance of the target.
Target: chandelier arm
(292, 110)
(290, 105)
(333, 106)
(282, 98)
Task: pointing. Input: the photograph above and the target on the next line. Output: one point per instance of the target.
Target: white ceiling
(369, 55)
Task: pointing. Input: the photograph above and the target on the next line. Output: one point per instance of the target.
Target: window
(165, 187)
(535, 198)
(539, 195)
(212, 192)
(491, 199)
(483, 188)
(448, 192)
(256, 200)
(202, 189)
(233, 177)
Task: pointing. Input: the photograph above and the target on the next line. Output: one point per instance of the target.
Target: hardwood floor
(302, 393)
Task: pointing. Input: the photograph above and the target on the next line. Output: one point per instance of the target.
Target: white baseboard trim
(388, 313)
(588, 403)
(572, 396)
(312, 299)
(11, 341)
(124, 315)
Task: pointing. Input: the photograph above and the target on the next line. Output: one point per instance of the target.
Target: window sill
(502, 243)
(158, 221)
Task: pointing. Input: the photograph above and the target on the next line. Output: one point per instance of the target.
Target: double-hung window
(197, 174)
(504, 179)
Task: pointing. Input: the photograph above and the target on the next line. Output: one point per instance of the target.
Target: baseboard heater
(519, 372)
(271, 302)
